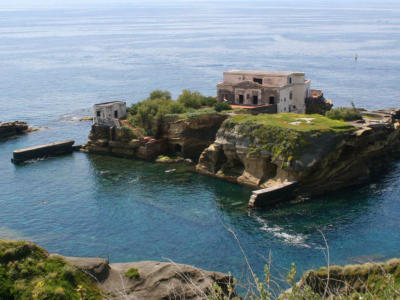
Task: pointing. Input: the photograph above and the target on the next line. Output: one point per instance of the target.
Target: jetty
(52, 149)
(271, 195)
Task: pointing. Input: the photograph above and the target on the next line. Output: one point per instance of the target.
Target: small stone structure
(276, 91)
(105, 113)
(52, 149)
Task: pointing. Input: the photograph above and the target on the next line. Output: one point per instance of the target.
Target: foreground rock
(156, 280)
(319, 154)
(9, 129)
(368, 281)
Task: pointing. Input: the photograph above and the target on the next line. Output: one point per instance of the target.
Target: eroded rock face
(187, 137)
(192, 135)
(156, 280)
(327, 160)
(13, 128)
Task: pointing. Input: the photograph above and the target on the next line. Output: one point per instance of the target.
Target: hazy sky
(35, 4)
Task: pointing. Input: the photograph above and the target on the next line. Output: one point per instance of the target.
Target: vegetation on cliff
(283, 134)
(28, 272)
(147, 114)
(344, 113)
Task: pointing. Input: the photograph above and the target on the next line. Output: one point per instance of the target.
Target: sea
(58, 59)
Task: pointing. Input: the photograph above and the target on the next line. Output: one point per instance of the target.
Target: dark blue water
(56, 62)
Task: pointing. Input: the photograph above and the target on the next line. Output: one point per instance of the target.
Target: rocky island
(313, 153)
(9, 129)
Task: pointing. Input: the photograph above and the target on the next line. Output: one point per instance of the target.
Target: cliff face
(318, 153)
(12, 128)
(191, 135)
(184, 136)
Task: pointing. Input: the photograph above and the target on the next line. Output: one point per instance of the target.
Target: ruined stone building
(105, 113)
(268, 91)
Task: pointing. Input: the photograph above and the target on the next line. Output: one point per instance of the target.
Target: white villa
(268, 91)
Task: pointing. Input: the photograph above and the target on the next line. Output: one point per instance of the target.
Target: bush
(220, 106)
(208, 101)
(344, 114)
(190, 100)
(132, 273)
(159, 94)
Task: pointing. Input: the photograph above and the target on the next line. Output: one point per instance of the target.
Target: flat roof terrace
(263, 73)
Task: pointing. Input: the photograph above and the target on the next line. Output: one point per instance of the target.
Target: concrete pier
(280, 192)
(56, 148)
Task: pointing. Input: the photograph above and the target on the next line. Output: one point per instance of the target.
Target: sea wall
(320, 160)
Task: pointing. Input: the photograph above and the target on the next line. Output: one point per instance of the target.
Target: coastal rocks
(372, 278)
(189, 136)
(321, 160)
(155, 280)
(9, 129)
(185, 136)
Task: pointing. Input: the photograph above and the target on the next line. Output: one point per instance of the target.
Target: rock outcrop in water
(186, 136)
(320, 154)
(9, 129)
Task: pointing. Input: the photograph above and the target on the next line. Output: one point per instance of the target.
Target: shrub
(159, 94)
(208, 101)
(220, 106)
(344, 114)
(190, 99)
(132, 273)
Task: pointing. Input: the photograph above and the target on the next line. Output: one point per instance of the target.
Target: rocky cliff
(13, 128)
(186, 136)
(153, 280)
(318, 153)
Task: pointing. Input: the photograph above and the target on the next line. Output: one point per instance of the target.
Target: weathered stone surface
(330, 160)
(9, 129)
(191, 136)
(157, 280)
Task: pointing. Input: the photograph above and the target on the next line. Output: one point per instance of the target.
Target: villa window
(272, 100)
(255, 100)
(291, 95)
(257, 80)
(290, 80)
(115, 113)
(241, 99)
(98, 114)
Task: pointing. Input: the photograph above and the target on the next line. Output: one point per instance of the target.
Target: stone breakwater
(9, 129)
(322, 160)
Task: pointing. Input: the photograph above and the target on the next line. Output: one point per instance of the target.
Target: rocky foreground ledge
(30, 272)
(9, 129)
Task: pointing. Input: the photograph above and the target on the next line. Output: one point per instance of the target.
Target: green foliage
(190, 99)
(283, 135)
(220, 106)
(344, 114)
(148, 113)
(132, 273)
(27, 272)
(159, 94)
(208, 101)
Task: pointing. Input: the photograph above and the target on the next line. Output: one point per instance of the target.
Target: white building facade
(286, 91)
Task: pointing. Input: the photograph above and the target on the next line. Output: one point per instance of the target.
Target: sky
(40, 4)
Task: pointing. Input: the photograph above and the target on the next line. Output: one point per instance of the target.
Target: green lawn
(294, 121)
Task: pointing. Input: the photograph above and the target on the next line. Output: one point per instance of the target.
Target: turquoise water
(55, 63)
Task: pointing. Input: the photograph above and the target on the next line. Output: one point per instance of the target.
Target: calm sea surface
(56, 62)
